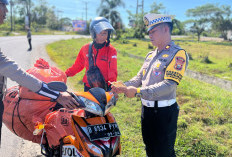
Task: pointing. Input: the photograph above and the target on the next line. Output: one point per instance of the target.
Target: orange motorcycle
(88, 131)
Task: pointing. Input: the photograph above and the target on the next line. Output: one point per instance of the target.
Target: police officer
(156, 84)
(8, 68)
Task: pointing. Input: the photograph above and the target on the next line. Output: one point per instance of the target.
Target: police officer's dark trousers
(159, 127)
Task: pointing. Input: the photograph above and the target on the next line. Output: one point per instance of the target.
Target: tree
(157, 8)
(108, 10)
(178, 27)
(201, 18)
(26, 9)
(221, 22)
(138, 27)
(39, 13)
(137, 24)
(198, 27)
(52, 21)
(211, 16)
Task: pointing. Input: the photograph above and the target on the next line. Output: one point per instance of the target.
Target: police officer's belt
(163, 103)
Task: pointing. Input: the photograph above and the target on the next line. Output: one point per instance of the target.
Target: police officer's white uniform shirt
(161, 73)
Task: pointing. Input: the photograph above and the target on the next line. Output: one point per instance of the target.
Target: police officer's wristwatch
(138, 94)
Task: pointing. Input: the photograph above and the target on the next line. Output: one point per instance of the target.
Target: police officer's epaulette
(176, 47)
(149, 54)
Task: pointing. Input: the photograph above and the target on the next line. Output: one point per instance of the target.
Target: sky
(75, 9)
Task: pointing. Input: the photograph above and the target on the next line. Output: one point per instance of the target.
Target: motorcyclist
(101, 61)
(9, 68)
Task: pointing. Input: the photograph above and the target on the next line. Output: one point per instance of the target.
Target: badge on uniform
(144, 71)
(165, 55)
(167, 47)
(157, 64)
(179, 63)
(150, 56)
(157, 73)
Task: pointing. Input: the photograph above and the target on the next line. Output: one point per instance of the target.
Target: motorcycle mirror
(57, 86)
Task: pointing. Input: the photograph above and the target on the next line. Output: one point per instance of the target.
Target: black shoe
(29, 49)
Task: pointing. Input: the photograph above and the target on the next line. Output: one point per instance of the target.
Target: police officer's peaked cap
(151, 20)
(4, 2)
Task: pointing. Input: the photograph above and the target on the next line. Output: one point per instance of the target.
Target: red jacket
(106, 62)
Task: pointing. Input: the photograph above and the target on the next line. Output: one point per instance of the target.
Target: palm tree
(108, 10)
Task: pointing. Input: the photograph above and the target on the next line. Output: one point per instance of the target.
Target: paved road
(16, 48)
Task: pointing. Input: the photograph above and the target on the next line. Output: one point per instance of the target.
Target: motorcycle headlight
(92, 107)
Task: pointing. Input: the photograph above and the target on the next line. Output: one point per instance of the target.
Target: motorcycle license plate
(70, 151)
(100, 131)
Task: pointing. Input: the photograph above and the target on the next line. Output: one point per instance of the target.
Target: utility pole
(86, 11)
(142, 5)
(11, 15)
(137, 6)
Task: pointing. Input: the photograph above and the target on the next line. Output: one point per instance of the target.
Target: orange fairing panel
(86, 145)
(58, 125)
(87, 95)
(94, 120)
(109, 95)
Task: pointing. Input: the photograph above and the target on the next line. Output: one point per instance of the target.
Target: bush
(206, 60)
(150, 46)
(230, 66)
(190, 56)
(189, 146)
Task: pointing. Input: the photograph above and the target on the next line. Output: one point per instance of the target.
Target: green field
(205, 121)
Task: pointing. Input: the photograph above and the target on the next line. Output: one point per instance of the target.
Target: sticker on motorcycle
(70, 151)
(101, 131)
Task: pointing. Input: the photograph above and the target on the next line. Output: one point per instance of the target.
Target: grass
(218, 53)
(205, 121)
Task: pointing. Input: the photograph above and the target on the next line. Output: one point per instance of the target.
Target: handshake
(120, 87)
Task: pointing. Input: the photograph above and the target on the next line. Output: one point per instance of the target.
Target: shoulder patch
(179, 62)
(176, 68)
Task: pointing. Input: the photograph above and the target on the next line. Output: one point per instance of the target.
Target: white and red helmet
(99, 24)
